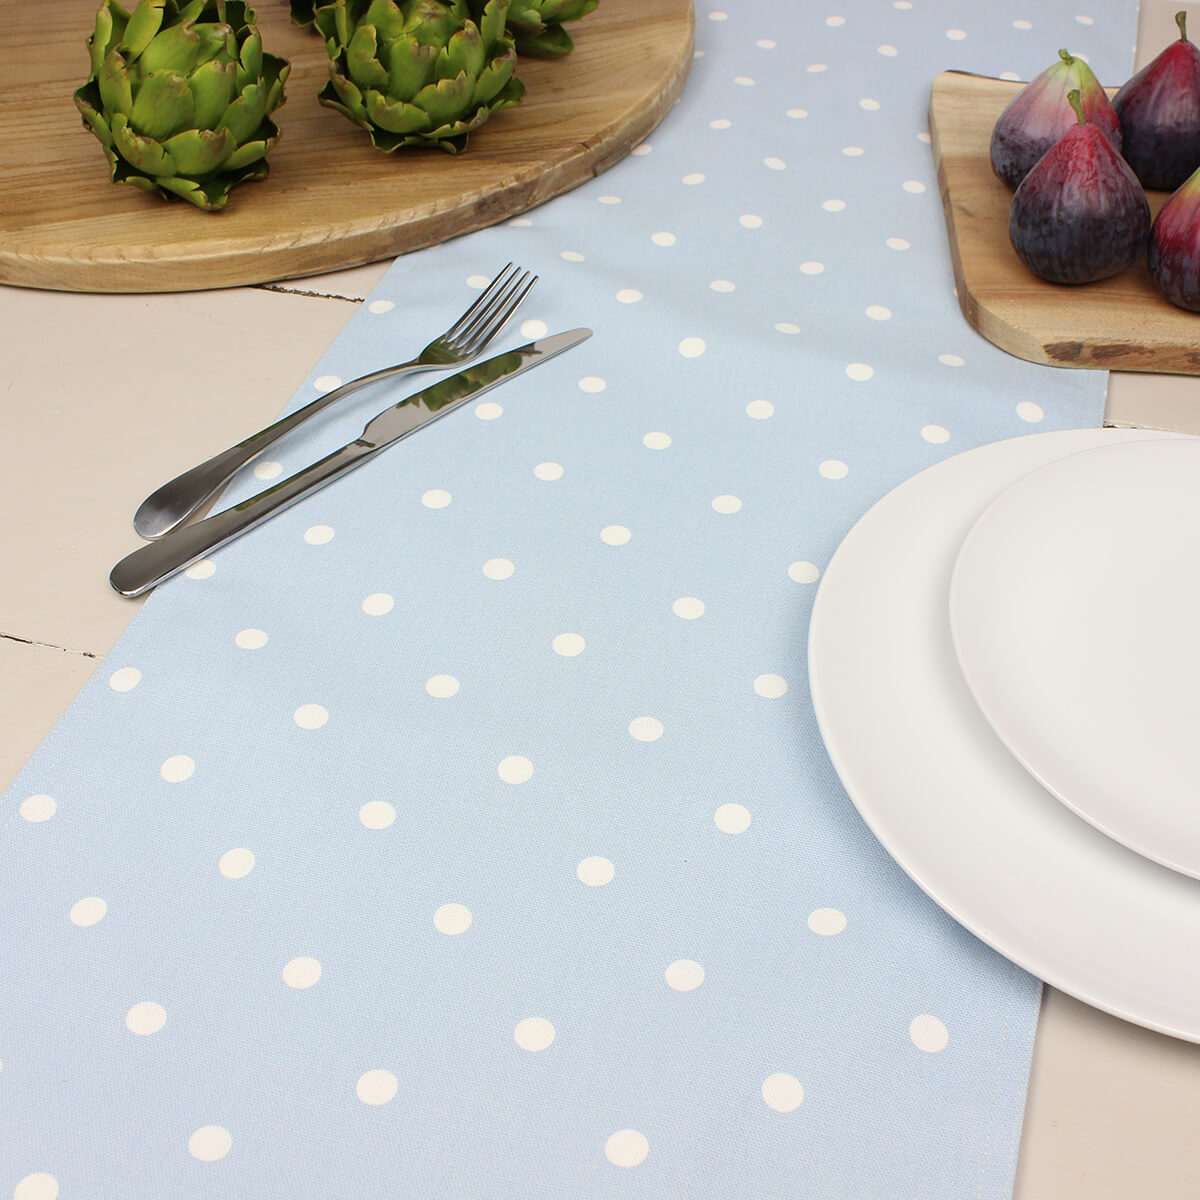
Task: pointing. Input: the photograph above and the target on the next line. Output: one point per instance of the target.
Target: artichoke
(418, 72)
(536, 25)
(180, 96)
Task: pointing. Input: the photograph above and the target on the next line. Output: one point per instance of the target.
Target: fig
(1174, 256)
(1039, 114)
(1080, 215)
(1159, 110)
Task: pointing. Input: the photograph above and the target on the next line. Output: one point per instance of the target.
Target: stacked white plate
(1004, 659)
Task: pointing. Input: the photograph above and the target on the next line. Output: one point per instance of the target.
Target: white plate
(933, 781)
(1075, 612)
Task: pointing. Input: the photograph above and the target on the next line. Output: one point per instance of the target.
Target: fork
(176, 501)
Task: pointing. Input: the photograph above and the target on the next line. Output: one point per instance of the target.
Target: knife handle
(150, 565)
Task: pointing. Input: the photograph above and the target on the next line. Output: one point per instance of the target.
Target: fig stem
(1181, 21)
(1066, 56)
(1076, 102)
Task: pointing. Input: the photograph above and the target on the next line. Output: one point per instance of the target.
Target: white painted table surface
(124, 398)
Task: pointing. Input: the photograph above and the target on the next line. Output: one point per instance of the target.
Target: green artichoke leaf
(245, 112)
(446, 100)
(251, 59)
(116, 89)
(340, 94)
(145, 22)
(163, 106)
(565, 10)
(213, 87)
(463, 54)
(412, 66)
(386, 17)
(362, 62)
(333, 24)
(497, 86)
(552, 42)
(101, 35)
(176, 48)
(193, 9)
(492, 22)
(200, 151)
(92, 117)
(430, 21)
(396, 116)
(141, 152)
(255, 149)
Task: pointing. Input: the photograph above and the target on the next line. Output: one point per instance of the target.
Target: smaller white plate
(1075, 611)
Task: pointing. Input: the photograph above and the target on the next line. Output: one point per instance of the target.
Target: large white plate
(1075, 613)
(933, 781)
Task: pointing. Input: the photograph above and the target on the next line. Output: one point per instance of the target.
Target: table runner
(465, 832)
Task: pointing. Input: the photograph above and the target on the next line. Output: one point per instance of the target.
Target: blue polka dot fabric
(465, 833)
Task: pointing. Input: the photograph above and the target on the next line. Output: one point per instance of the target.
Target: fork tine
(493, 319)
(481, 301)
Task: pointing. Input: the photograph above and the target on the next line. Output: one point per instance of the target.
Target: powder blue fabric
(689, 970)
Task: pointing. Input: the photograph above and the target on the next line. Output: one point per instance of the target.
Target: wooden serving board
(1122, 323)
(330, 200)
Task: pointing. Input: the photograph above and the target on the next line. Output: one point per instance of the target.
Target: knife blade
(150, 565)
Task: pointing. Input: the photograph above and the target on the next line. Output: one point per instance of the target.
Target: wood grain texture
(331, 200)
(1122, 323)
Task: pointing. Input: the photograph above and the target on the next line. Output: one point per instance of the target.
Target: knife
(145, 568)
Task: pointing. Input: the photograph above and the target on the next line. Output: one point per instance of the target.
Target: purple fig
(1174, 257)
(1159, 110)
(1080, 214)
(1039, 114)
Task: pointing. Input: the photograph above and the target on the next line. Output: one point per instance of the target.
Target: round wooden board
(330, 200)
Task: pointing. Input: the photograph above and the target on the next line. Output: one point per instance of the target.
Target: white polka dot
(1020, 23)
(915, 186)
(771, 686)
(827, 921)
(956, 35)
(726, 504)
(783, 1093)
(765, 44)
(1085, 21)
(1027, 410)
(318, 535)
(87, 912)
(937, 434)
(626, 1148)
(811, 268)
(888, 51)
(688, 607)
(592, 384)
(250, 639)
(718, 16)
(378, 604)
(750, 221)
(662, 238)
(732, 818)
(204, 569)
(951, 360)
(877, 312)
(924, 138)
(835, 22)
(692, 347)
(1013, 75)
(853, 151)
(301, 973)
(489, 410)
(693, 178)
(377, 814)
(452, 919)
(629, 295)
(859, 372)
(720, 123)
(436, 498)
(477, 281)
(898, 243)
(533, 1034)
(38, 1186)
(568, 645)
(498, 568)
(722, 285)
(376, 1087)
(816, 68)
(572, 256)
(595, 871)
(548, 471)
(646, 729)
(515, 769)
(774, 164)
(870, 105)
(146, 1018)
(124, 679)
(797, 114)
(902, 4)
(310, 716)
(520, 222)
(833, 205)
(833, 468)
(684, 975)
(533, 329)
(615, 535)
(268, 468)
(236, 863)
(743, 81)
(787, 327)
(928, 1033)
(327, 383)
(804, 572)
(656, 440)
(608, 199)
(441, 687)
(760, 410)
(177, 768)
(380, 306)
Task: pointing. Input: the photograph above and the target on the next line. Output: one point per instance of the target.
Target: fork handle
(182, 496)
